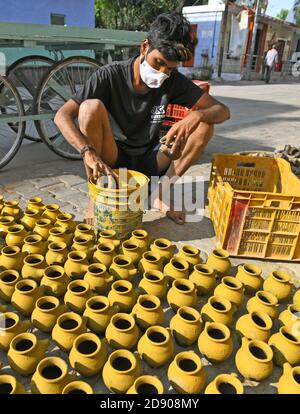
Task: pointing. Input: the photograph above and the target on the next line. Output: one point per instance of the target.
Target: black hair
(170, 33)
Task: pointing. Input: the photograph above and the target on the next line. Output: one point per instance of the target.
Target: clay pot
(296, 298)
(47, 310)
(250, 276)
(217, 309)
(191, 254)
(51, 212)
(255, 325)
(5, 223)
(83, 243)
(231, 289)
(279, 283)
(66, 221)
(146, 384)
(186, 326)
(15, 235)
(215, 342)
(78, 292)
(264, 302)
(186, 374)
(288, 317)
(289, 382)
(164, 248)
(34, 244)
(78, 387)
(182, 293)
(8, 280)
(156, 347)
(11, 326)
(123, 295)
(50, 377)
(104, 253)
(55, 280)
(9, 385)
(98, 278)
(109, 236)
(132, 250)
(148, 311)
(88, 354)
(42, 227)
(25, 295)
(83, 229)
(120, 371)
(68, 326)
(150, 261)
(219, 261)
(29, 219)
(98, 313)
(254, 360)
(225, 384)
(122, 268)
(76, 265)
(36, 203)
(12, 208)
(57, 254)
(34, 267)
(203, 276)
(11, 258)
(176, 269)
(25, 352)
(141, 237)
(286, 345)
(122, 332)
(60, 235)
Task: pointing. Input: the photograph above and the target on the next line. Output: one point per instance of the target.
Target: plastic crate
(254, 204)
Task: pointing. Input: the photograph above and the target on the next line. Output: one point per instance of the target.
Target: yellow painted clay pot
(176, 269)
(68, 326)
(217, 309)
(51, 212)
(164, 248)
(16, 235)
(288, 317)
(12, 208)
(29, 219)
(83, 243)
(11, 258)
(156, 346)
(88, 354)
(34, 267)
(50, 377)
(286, 345)
(25, 295)
(104, 253)
(141, 237)
(279, 283)
(120, 371)
(264, 302)
(8, 280)
(122, 332)
(254, 360)
(122, 268)
(98, 278)
(76, 265)
(109, 236)
(60, 235)
(57, 254)
(203, 276)
(83, 229)
(9, 385)
(215, 342)
(219, 261)
(154, 283)
(55, 280)
(182, 293)
(42, 227)
(10, 326)
(250, 276)
(78, 387)
(78, 292)
(123, 295)
(191, 254)
(34, 244)
(146, 384)
(296, 298)
(5, 223)
(186, 374)
(131, 249)
(25, 352)
(66, 221)
(148, 311)
(186, 326)
(36, 203)
(150, 261)
(47, 310)
(289, 382)
(225, 384)
(255, 325)
(98, 313)
(231, 289)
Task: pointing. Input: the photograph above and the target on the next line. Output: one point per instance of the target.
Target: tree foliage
(282, 15)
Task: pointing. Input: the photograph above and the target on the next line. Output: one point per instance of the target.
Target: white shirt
(271, 57)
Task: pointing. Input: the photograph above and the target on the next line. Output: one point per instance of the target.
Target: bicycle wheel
(25, 74)
(57, 87)
(11, 108)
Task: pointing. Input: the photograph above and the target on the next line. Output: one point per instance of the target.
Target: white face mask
(151, 77)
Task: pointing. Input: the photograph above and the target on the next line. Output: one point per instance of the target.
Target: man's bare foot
(177, 216)
(89, 216)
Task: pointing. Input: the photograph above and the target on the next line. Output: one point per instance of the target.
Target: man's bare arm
(212, 111)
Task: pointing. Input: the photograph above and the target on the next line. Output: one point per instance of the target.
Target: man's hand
(98, 166)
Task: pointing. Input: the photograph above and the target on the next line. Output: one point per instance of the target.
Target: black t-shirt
(138, 115)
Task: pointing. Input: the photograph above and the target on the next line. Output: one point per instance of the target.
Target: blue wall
(78, 12)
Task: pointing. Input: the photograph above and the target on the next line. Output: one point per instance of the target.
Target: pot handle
(287, 368)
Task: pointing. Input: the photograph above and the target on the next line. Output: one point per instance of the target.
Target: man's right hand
(98, 166)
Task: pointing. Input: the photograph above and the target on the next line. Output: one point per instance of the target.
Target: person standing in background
(271, 60)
